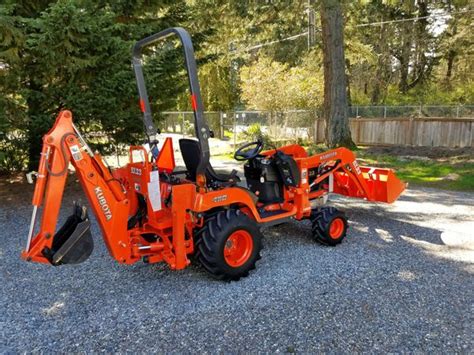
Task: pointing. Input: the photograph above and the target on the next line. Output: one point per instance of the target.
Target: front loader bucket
(73, 243)
(382, 184)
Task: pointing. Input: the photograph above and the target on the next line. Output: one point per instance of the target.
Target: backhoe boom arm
(63, 145)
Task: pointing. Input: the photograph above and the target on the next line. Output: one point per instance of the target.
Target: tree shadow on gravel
(388, 229)
(437, 196)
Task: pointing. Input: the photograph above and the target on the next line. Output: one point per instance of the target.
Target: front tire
(329, 226)
(228, 245)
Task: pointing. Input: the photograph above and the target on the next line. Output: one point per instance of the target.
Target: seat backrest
(191, 153)
(287, 168)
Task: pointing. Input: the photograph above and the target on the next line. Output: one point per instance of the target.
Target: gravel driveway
(401, 282)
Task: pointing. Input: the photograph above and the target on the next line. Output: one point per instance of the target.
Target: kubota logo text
(103, 203)
(327, 155)
(220, 198)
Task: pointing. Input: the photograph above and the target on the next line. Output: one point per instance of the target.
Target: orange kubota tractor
(148, 211)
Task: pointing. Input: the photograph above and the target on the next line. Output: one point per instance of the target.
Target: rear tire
(228, 245)
(329, 226)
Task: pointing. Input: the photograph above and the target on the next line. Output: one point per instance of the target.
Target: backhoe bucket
(382, 184)
(72, 243)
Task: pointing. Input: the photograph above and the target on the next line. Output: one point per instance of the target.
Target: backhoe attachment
(72, 243)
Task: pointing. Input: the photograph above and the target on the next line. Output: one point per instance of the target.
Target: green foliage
(433, 94)
(13, 156)
(423, 61)
(316, 148)
(263, 85)
(216, 88)
(188, 128)
(75, 54)
(254, 132)
(273, 86)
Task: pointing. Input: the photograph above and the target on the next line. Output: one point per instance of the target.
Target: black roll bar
(200, 125)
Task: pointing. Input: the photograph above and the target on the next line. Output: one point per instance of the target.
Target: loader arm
(343, 160)
(63, 145)
(346, 177)
(350, 179)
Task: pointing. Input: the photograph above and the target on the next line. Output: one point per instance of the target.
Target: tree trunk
(406, 48)
(335, 110)
(375, 97)
(450, 59)
(421, 66)
(349, 78)
(383, 72)
(405, 60)
(452, 53)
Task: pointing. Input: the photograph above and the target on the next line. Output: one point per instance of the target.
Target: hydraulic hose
(64, 154)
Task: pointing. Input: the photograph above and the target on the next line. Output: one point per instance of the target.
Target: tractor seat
(191, 152)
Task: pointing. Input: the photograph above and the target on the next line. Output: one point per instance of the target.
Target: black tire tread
(320, 220)
(214, 232)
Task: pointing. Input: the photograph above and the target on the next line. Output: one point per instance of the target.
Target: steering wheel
(246, 151)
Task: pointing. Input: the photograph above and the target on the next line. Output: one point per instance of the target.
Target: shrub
(254, 132)
(13, 153)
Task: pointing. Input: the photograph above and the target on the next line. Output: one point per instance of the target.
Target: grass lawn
(450, 173)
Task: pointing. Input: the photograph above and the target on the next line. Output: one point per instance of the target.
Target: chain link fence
(303, 126)
(299, 123)
(236, 126)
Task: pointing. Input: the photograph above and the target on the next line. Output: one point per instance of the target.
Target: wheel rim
(238, 248)
(336, 229)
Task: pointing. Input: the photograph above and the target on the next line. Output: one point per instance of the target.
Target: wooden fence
(430, 132)
(401, 130)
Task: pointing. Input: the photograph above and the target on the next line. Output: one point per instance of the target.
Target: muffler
(72, 243)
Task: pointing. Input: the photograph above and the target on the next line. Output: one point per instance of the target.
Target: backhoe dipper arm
(63, 145)
(200, 125)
